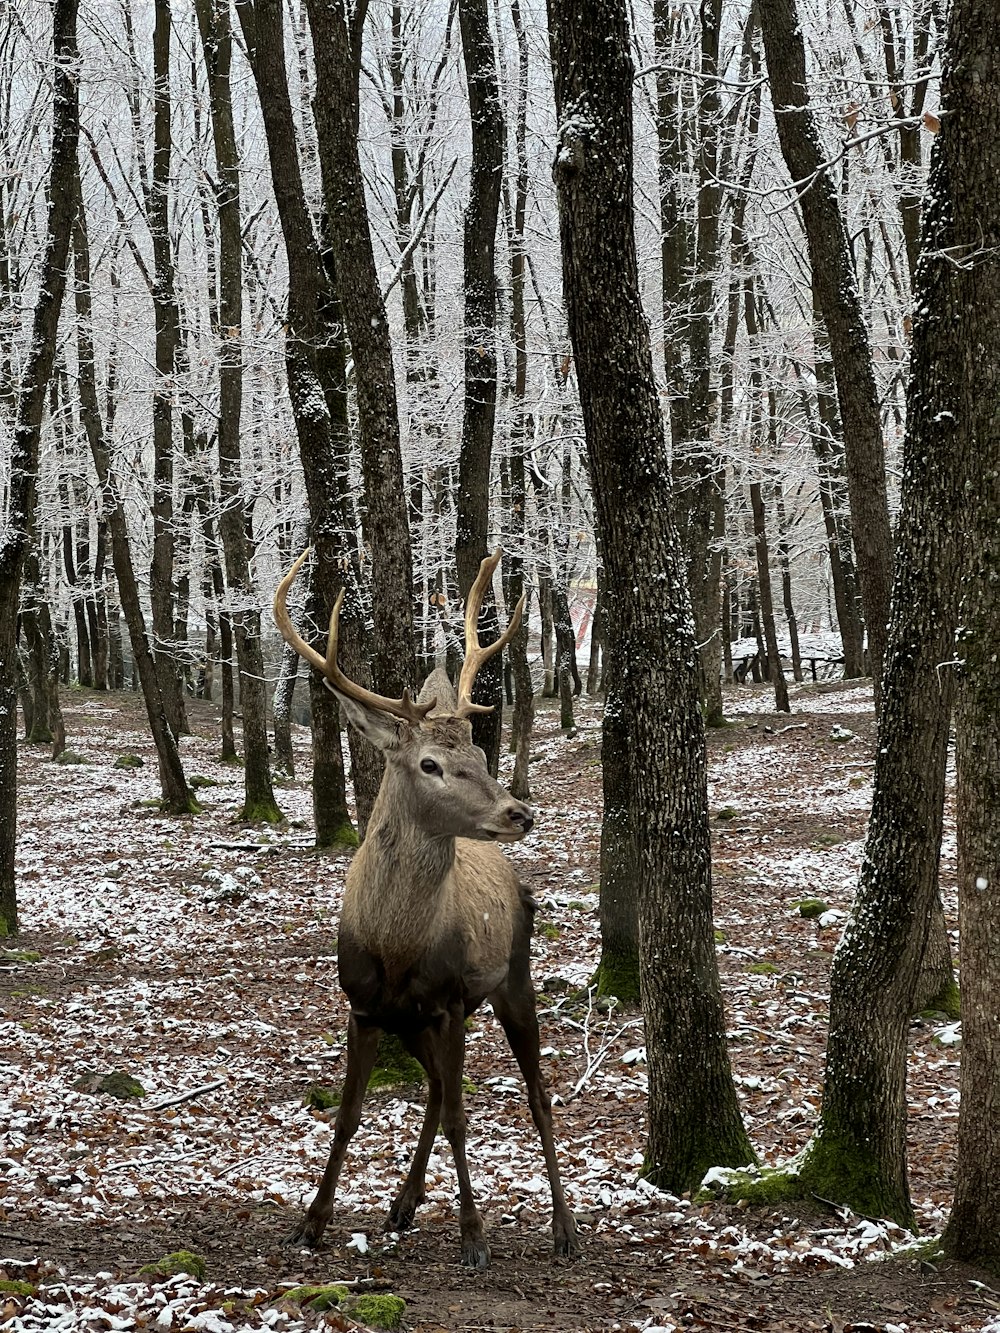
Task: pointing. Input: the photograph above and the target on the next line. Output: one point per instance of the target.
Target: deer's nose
(522, 817)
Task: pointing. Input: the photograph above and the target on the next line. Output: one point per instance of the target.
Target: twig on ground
(187, 1096)
(154, 1161)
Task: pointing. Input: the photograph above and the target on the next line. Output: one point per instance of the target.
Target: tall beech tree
(947, 532)
(962, 258)
(313, 364)
(176, 795)
(694, 1117)
(479, 246)
(168, 340)
(217, 43)
(836, 288)
(337, 51)
(31, 394)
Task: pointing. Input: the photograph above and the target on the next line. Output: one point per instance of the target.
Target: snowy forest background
(872, 77)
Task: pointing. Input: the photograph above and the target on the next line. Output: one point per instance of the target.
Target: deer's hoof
(566, 1243)
(476, 1254)
(400, 1215)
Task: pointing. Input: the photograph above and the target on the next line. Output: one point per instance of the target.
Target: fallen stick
(187, 1096)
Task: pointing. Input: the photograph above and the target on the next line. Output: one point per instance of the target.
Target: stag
(435, 920)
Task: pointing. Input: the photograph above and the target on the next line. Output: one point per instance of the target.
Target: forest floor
(195, 952)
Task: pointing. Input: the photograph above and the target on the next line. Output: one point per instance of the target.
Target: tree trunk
(969, 160)
(313, 361)
(784, 561)
(698, 473)
(621, 886)
(177, 797)
(694, 1117)
(774, 669)
(837, 288)
(216, 36)
(281, 711)
(167, 316)
(24, 446)
(337, 50)
(479, 331)
(858, 1156)
(514, 582)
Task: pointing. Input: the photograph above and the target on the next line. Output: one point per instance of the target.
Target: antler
(403, 708)
(474, 655)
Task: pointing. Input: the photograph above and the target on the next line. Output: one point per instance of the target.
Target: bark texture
(965, 179)
(694, 1118)
(167, 320)
(859, 1154)
(337, 50)
(837, 289)
(479, 244)
(320, 412)
(217, 43)
(35, 373)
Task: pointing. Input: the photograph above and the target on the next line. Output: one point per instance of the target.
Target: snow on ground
(200, 954)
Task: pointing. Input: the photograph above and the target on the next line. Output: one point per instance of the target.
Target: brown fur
(434, 922)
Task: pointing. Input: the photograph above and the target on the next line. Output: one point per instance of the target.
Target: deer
(435, 920)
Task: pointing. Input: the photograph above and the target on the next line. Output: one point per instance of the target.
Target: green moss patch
(811, 908)
(764, 969)
(394, 1065)
(19, 956)
(751, 1185)
(129, 761)
(947, 1002)
(116, 1084)
(317, 1298)
(344, 835)
(71, 757)
(618, 975)
(198, 780)
(726, 813)
(318, 1098)
(378, 1310)
(260, 812)
(181, 1261)
(14, 1287)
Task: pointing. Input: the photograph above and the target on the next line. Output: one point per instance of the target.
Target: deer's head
(435, 777)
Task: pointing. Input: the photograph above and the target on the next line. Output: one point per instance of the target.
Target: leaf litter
(199, 957)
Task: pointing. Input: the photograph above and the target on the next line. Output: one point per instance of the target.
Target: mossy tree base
(394, 1065)
(260, 812)
(824, 1170)
(947, 1002)
(618, 975)
(188, 806)
(703, 1152)
(767, 1185)
(340, 837)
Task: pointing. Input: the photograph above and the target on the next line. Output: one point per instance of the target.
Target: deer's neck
(398, 885)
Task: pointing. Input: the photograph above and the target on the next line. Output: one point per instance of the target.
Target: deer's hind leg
(411, 1193)
(362, 1047)
(514, 1006)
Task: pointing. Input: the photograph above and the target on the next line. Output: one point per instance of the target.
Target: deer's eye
(430, 766)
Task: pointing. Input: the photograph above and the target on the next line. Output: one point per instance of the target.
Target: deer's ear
(380, 729)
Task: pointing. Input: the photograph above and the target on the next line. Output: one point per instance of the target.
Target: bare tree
(30, 410)
(694, 1117)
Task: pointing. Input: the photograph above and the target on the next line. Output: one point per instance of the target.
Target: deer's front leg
(411, 1193)
(362, 1047)
(451, 1057)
